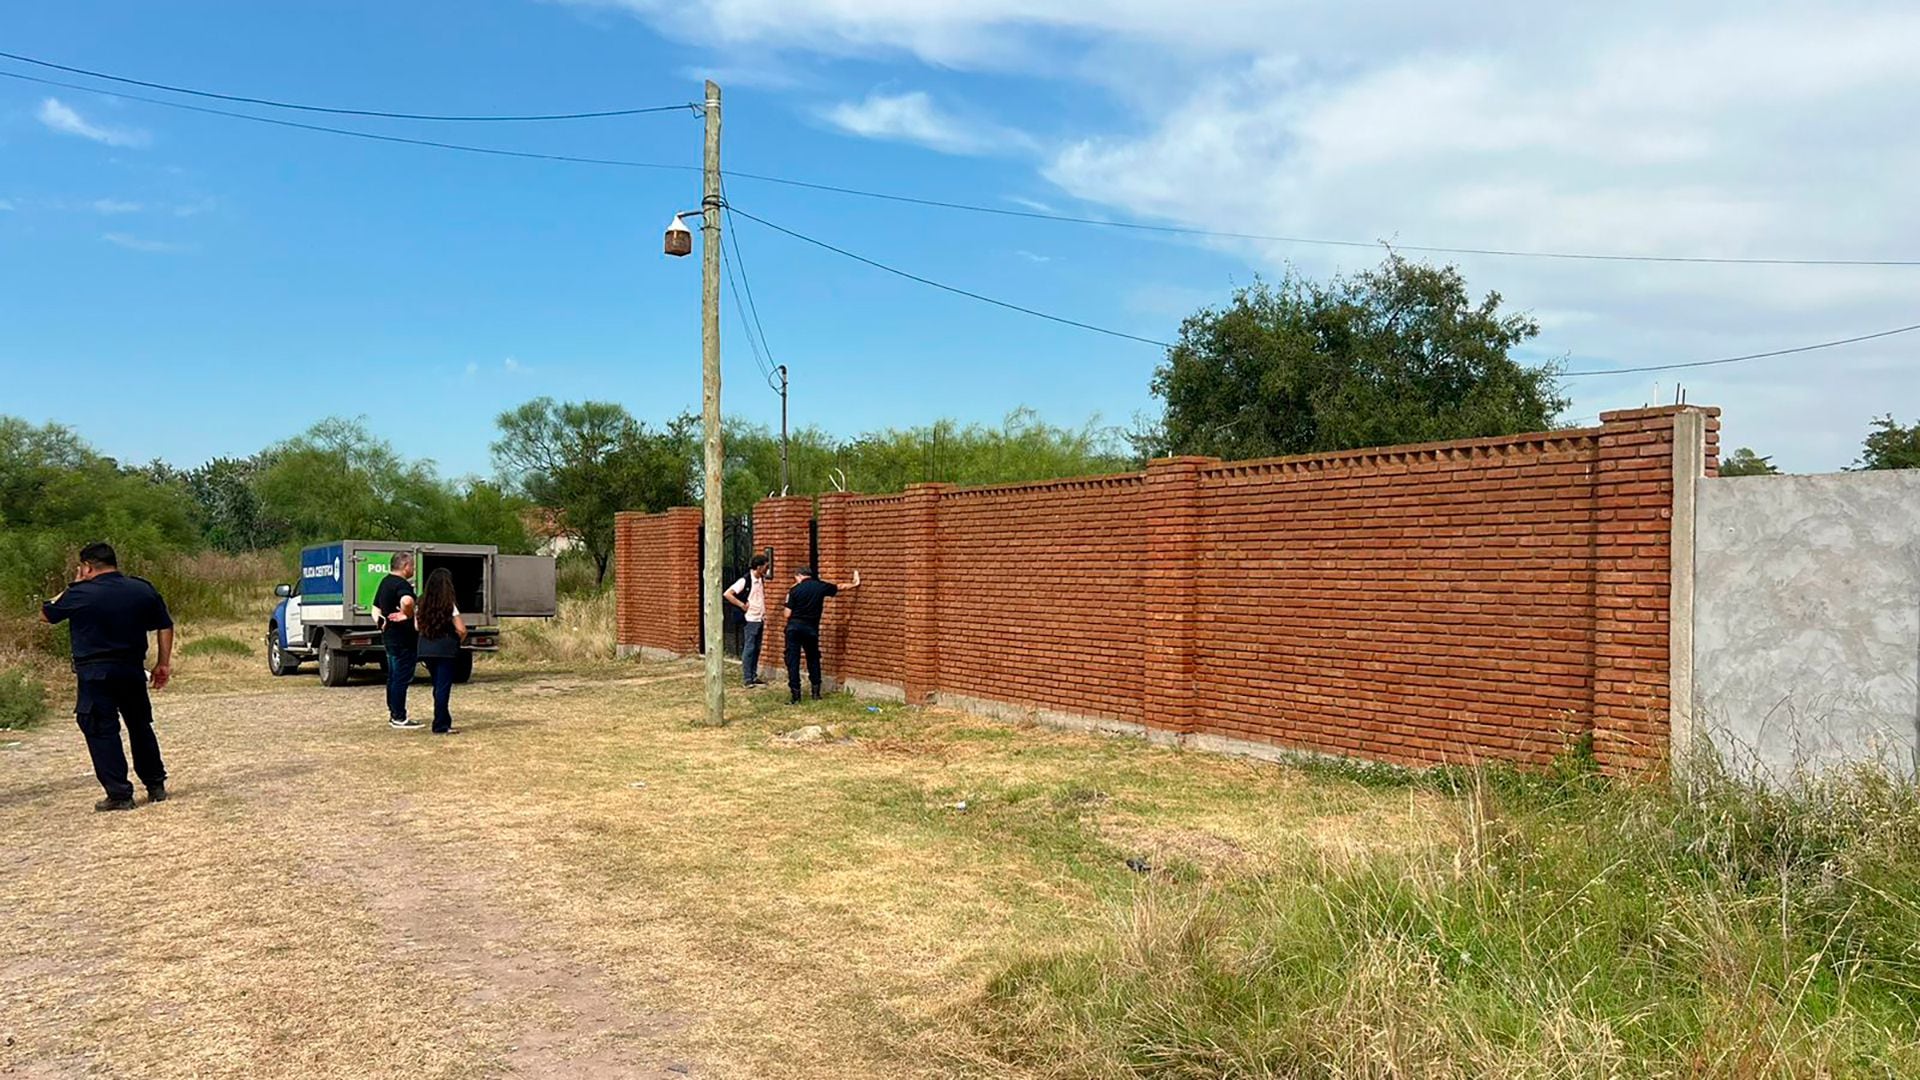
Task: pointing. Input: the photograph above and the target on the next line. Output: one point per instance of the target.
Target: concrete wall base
(869, 688)
(647, 652)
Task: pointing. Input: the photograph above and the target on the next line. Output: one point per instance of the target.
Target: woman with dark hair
(441, 632)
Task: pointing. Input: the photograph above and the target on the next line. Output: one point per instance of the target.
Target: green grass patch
(23, 700)
(1555, 926)
(216, 645)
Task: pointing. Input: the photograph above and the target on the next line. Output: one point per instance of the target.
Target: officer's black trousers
(102, 704)
(802, 637)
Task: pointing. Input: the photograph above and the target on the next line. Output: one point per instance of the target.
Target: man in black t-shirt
(805, 602)
(109, 615)
(393, 607)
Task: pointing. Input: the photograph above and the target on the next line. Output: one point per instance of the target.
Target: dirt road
(581, 884)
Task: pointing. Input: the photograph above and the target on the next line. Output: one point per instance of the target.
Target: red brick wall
(783, 524)
(1491, 598)
(862, 631)
(1039, 595)
(656, 567)
(1416, 604)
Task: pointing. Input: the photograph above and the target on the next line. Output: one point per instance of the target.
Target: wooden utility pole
(784, 488)
(710, 582)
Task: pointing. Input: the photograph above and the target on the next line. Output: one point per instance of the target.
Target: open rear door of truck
(524, 587)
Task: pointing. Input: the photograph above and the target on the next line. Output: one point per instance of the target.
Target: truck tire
(335, 667)
(278, 660)
(463, 667)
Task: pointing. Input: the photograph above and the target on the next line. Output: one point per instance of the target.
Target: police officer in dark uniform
(110, 614)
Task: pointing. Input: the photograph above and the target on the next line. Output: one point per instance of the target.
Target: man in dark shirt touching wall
(393, 605)
(109, 615)
(805, 603)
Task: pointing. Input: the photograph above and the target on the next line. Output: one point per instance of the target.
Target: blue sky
(184, 286)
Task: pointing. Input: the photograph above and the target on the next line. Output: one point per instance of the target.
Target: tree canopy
(1744, 462)
(1021, 447)
(586, 461)
(1397, 354)
(1889, 445)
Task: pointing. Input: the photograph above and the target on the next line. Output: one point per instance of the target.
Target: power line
(491, 151)
(1182, 230)
(1031, 215)
(1748, 356)
(334, 111)
(746, 327)
(733, 237)
(951, 288)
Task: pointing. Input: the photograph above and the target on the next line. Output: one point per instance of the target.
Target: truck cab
(326, 615)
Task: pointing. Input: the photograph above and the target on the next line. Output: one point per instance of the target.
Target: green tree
(57, 494)
(1022, 447)
(1890, 446)
(1396, 354)
(231, 515)
(338, 480)
(1744, 462)
(586, 461)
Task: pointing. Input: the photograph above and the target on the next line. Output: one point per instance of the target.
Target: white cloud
(6, 205)
(913, 117)
(513, 366)
(1739, 130)
(194, 209)
(56, 115)
(136, 243)
(473, 370)
(1034, 257)
(115, 206)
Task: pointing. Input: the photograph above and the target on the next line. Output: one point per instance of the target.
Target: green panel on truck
(373, 568)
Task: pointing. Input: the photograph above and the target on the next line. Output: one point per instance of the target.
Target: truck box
(327, 615)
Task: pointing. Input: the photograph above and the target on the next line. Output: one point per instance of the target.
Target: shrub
(1554, 927)
(23, 700)
(216, 645)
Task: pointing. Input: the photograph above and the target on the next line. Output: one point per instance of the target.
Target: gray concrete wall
(1807, 620)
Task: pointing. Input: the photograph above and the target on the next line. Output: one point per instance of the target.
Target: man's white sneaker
(405, 725)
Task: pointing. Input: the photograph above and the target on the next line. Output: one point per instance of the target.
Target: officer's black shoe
(111, 803)
(816, 693)
(794, 700)
(157, 793)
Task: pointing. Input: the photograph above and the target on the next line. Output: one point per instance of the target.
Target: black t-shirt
(110, 615)
(807, 598)
(394, 588)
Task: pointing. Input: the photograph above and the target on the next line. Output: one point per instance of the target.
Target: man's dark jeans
(802, 637)
(401, 658)
(102, 703)
(750, 639)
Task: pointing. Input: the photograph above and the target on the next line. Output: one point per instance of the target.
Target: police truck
(326, 616)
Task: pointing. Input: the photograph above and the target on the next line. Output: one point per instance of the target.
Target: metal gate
(736, 551)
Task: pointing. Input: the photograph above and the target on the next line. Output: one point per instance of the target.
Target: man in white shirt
(749, 594)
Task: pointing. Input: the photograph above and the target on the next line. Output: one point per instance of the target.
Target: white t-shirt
(756, 597)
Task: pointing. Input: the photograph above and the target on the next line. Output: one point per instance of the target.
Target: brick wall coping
(1616, 415)
(1071, 483)
(1432, 451)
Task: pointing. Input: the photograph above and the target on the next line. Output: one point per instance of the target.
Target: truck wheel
(278, 661)
(463, 667)
(334, 666)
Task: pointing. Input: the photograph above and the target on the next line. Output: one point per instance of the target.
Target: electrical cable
(333, 111)
(733, 237)
(1739, 359)
(1031, 215)
(951, 288)
(733, 288)
(1182, 230)
(491, 151)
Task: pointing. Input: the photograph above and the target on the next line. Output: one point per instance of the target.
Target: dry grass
(585, 883)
